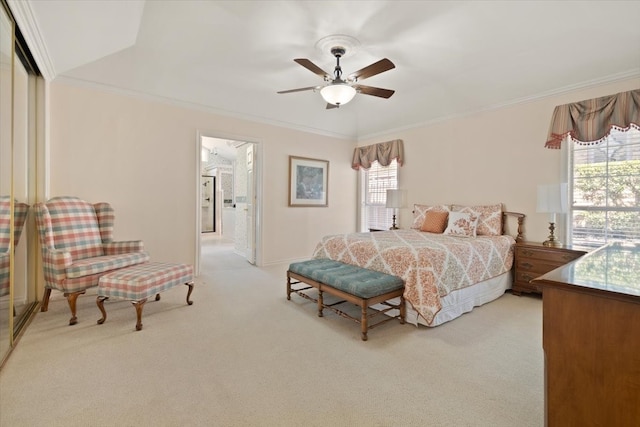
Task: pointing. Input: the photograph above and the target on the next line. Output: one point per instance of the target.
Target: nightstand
(532, 260)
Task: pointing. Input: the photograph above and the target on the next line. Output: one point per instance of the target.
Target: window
(605, 189)
(375, 183)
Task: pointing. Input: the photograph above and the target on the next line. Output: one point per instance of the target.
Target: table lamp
(552, 199)
(396, 199)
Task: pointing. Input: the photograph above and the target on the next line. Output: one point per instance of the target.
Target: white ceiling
(452, 57)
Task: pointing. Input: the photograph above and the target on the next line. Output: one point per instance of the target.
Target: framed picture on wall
(308, 182)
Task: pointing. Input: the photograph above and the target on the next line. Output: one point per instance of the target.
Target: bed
(447, 273)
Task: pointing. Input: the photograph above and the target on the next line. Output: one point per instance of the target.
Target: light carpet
(242, 355)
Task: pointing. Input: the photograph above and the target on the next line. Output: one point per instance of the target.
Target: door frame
(257, 193)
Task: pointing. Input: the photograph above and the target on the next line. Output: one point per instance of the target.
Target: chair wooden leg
(45, 300)
(139, 305)
(72, 298)
(190, 285)
(100, 304)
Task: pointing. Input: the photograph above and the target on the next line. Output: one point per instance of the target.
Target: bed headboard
(520, 219)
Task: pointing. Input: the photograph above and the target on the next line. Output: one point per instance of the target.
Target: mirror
(18, 172)
(22, 96)
(6, 58)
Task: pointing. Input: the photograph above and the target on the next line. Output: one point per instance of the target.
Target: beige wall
(141, 156)
(489, 157)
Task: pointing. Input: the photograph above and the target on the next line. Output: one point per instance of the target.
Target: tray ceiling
(231, 57)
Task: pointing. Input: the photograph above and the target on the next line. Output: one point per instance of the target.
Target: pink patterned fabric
(20, 211)
(142, 281)
(76, 243)
(432, 265)
(462, 224)
(489, 218)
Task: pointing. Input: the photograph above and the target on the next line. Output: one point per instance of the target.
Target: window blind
(605, 189)
(376, 181)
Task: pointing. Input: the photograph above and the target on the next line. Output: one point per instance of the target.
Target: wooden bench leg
(139, 305)
(364, 322)
(320, 303)
(100, 304)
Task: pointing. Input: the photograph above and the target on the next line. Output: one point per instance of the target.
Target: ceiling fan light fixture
(338, 93)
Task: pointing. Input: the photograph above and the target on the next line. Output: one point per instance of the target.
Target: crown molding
(625, 75)
(73, 81)
(28, 24)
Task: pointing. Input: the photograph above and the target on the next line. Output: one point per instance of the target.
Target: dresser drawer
(537, 266)
(527, 276)
(556, 256)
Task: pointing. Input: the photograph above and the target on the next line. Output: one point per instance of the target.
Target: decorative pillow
(435, 221)
(489, 218)
(462, 224)
(419, 212)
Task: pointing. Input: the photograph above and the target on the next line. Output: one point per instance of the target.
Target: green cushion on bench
(354, 280)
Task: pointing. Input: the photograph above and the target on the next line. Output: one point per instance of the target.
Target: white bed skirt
(461, 301)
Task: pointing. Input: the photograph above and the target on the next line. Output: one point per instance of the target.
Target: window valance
(592, 120)
(383, 152)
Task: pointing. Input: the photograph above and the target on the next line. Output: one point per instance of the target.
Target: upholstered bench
(139, 282)
(352, 284)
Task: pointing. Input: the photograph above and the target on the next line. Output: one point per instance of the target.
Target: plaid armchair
(20, 211)
(76, 239)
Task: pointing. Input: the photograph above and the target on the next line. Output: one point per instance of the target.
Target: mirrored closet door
(6, 84)
(18, 86)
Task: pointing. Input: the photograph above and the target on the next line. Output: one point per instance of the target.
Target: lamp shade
(396, 199)
(552, 199)
(338, 93)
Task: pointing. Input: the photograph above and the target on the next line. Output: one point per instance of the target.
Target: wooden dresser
(591, 339)
(533, 260)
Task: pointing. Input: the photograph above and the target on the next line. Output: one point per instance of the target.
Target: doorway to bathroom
(228, 196)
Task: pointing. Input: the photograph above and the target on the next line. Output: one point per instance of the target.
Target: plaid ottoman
(141, 281)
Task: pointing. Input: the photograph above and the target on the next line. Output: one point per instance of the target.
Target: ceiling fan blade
(330, 106)
(373, 69)
(313, 68)
(374, 91)
(299, 89)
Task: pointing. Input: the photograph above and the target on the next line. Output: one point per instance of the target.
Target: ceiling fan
(339, 91)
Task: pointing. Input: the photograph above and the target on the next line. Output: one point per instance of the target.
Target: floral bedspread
(432, 265)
